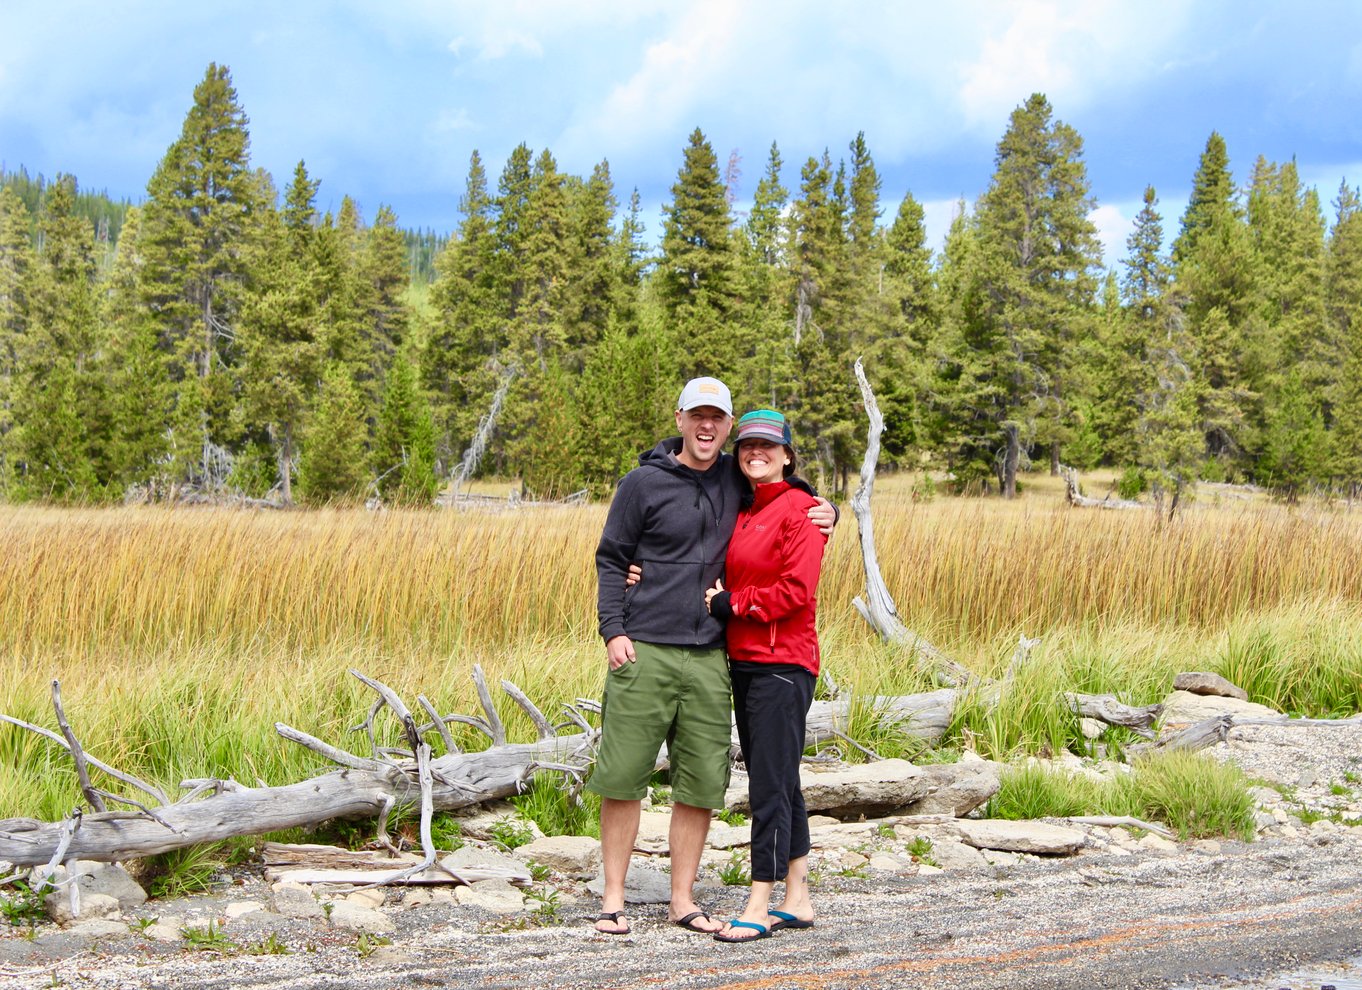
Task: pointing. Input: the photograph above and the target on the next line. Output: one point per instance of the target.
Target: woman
(772, 569)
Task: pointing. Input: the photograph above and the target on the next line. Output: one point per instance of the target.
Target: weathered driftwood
(878, 605)
(1105, 708)
(305, 863)
(1197, 736)
(366, 787)
(1120, 821)
(1078, 500)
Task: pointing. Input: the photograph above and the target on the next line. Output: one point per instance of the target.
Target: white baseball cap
(706, 392)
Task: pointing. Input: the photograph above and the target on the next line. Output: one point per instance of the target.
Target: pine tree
(280, 327)
(1296, 445)
(331, 465)
(404, 443)
(16, 265)
(460, 362)
(1213, 272)
(1123, 373)
(900, 362)
(1037, 253)
(139, 386)
(59, 406)
(592, 276)
(195, 226)
(696, 276)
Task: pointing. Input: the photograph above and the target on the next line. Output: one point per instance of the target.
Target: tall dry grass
(181, 636)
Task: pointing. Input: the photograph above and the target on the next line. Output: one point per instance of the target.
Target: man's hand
(619, 650)
(709, 595)
(634, 576)
(823, 516)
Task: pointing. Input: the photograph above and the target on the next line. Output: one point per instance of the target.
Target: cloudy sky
(386, 100)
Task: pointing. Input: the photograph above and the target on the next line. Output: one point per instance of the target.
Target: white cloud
(1113, 227)
(1074, 51)
(452, 120)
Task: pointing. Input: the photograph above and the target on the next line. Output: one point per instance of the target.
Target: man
(668, 678)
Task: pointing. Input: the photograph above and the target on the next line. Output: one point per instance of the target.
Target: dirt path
(1190, 919)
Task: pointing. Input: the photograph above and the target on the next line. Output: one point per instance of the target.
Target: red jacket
(771, 573)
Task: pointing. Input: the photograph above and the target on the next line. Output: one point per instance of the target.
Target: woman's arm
(801, 559)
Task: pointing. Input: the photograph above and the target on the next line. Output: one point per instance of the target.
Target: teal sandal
(788, 920)
(761, 930)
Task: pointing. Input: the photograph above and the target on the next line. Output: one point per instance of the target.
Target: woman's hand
(709, 595)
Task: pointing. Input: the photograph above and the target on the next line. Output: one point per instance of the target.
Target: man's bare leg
(689, 827)
(619, 830)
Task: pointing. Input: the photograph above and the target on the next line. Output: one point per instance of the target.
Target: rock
(864, 789)
(416, 897)
(576, 856)
(956, 789)
(101, 928)
(951, 855)
(653, 827)
(1157, 843)
(105, 878)
(296, 901)
(480, 825)
(495, 896)
(238, 908)
(1184, 708)
(373, 898)
(644, 884)
(852, 860)
(1208, 847)
(842, 835)
(923, 870)
(1026, 837)
(817, 820)
(1204, 683)
(355, 918)
(1265, 795)
(477, 856)
(1091, 728)
(723, 836)
(165, 930)
(996, 857)
(92, 906)
(886, 864)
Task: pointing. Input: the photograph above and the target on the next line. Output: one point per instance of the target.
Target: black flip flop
(615, 917)
(686, 922)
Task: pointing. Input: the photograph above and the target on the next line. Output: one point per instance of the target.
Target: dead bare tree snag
(366, 787)
(1080, 501)
(877, 608)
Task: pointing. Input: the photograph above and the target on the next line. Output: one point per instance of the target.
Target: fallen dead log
(1080, 501)
(308, 863)
(1106, 708)
(366, 787)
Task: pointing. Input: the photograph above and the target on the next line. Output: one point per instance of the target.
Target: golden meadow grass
(181, 636)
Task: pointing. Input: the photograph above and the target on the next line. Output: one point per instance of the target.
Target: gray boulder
(1205, 683)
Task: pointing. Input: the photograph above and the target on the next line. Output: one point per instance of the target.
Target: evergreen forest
(222, 336)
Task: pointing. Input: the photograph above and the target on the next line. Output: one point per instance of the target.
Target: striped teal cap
(764, 424)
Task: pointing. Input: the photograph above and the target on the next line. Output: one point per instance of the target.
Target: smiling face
(762, 461)
(704, 430)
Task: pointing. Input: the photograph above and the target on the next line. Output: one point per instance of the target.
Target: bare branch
(497, 729)
(542, 724)
(77, 754)
(332, 753)
(437, 723)
(126, 778)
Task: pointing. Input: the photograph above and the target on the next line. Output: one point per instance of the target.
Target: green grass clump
(1192, 794)
(559, 810)
(181, 872)
(1034, 792)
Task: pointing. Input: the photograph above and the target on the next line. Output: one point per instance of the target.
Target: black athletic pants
(770, 709)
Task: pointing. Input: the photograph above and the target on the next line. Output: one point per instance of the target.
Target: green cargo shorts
(674, 694)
